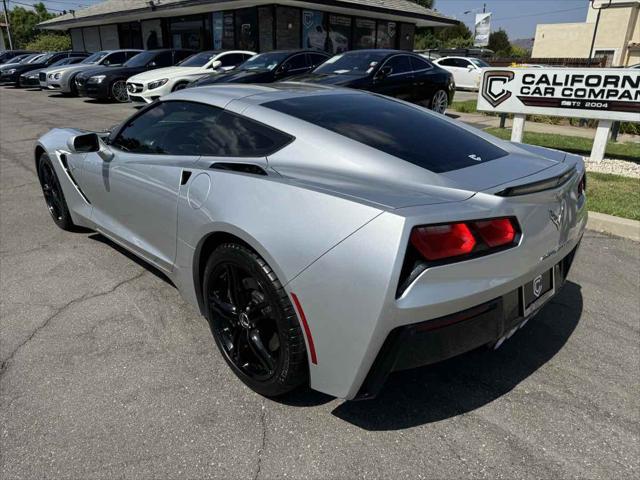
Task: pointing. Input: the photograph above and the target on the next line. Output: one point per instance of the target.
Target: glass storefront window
(387, 34)
(217, 30)
(228, 31)
(265, 19)
(407, 32)
(314, 34)
(189, 32)
(247, 28)
(365, 33)
(339, 38)
(151, 34)
(287, 28)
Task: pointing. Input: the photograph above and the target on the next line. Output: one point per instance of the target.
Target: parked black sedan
(111, 83)
(268, 67)
(394, 73)
(32, 77)
(11, 76)
(6, 56)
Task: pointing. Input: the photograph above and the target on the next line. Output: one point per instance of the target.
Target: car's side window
(231, 59)
(189, 128)
(297, 62)
(180, 55)
(164, 59)
(462, 63)
(316, 59)
(399, 64)
(448, 62)
(116, 58)
(418, 64)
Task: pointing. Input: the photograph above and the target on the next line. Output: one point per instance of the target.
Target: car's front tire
(53, 195)
(118, 91)
(439, 102)
(253, 321)
(179, 86)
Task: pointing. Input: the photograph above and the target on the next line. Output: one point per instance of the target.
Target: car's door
(467, 73)
(451, 64)
(134, 193)
(115, 59)
(424, 85)
(394, 78)
(317, 59)
(161, 60)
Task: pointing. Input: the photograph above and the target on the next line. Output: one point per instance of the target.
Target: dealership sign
(605, 94)
(483, 29)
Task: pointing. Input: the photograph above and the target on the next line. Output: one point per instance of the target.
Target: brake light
(496, 232)
(582, 184)
(438, 242)
(442, 241)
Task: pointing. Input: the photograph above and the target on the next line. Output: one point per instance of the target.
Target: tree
(49, 42)
(426, 3)
(23, 23)
(499, 43)
(457, 36)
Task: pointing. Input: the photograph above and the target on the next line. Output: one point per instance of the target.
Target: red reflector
(496, 232)
(442, 241)
(307, 330)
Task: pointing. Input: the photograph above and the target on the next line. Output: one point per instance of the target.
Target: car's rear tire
(53, 195)
(73, 89)
(439, 102)
(253, 321)
(118, 91)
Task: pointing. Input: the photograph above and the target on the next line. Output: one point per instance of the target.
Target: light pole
(6, 19)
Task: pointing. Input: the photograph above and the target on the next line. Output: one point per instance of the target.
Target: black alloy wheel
(253, 321)
(119, 91)
(53, 195)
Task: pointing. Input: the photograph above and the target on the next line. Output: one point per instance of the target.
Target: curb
(620, 227)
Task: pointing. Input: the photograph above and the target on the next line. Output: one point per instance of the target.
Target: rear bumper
(424, 343)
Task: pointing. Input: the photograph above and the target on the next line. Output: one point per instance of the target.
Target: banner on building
(483, 29)
(604, 94)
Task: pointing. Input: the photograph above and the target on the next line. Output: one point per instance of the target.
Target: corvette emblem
(537, 286)
(556, 218)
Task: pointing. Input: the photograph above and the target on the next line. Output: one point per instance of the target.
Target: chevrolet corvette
(329, 236)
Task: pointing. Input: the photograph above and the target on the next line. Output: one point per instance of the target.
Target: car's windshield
(46, 57)
(62, 61)
(353, 63)
(141, 59)
(264, 61)
(479, 63)
(198, 59)
(95, 57)
(30, 58)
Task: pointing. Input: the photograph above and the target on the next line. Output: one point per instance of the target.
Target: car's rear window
(394, 128)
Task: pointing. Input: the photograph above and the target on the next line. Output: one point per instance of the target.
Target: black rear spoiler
(535, 187)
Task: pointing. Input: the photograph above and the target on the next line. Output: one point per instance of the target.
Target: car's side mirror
(152, 64)
(384, 72)
(216, 64)
(85, 143)
(89, 143)
(470, 68)
(284, 68)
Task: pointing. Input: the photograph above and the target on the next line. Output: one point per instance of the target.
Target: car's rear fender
(350, 294)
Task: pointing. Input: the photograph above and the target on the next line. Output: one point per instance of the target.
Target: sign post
(604, 94)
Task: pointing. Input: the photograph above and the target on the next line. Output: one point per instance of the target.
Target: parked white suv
(466, 71)
(153, 84)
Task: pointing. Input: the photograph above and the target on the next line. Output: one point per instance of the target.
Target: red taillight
(442, 241)
(496, 232)
(582, 184)
(437, 242)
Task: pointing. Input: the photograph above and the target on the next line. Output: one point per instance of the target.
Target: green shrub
(49, 42)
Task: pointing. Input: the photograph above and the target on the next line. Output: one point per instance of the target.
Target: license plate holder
(535, 293)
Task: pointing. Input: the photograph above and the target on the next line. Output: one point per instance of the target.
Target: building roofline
(66, 22)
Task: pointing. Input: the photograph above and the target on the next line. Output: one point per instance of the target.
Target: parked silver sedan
(329, 236)
(62, 78)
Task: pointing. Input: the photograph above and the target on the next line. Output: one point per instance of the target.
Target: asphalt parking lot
(107, 373)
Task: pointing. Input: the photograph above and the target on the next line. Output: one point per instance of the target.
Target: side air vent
(65, 165)
(535, 187)
(239, 167)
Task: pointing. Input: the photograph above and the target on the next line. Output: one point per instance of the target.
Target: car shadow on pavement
(464, 383)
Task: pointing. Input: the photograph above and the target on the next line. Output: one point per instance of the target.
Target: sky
(517, 17)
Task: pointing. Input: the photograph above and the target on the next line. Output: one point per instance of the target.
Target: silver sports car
(329, 236)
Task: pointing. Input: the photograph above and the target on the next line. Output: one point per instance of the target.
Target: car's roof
(221, 95)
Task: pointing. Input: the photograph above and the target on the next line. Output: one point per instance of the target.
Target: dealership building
(257, 25)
